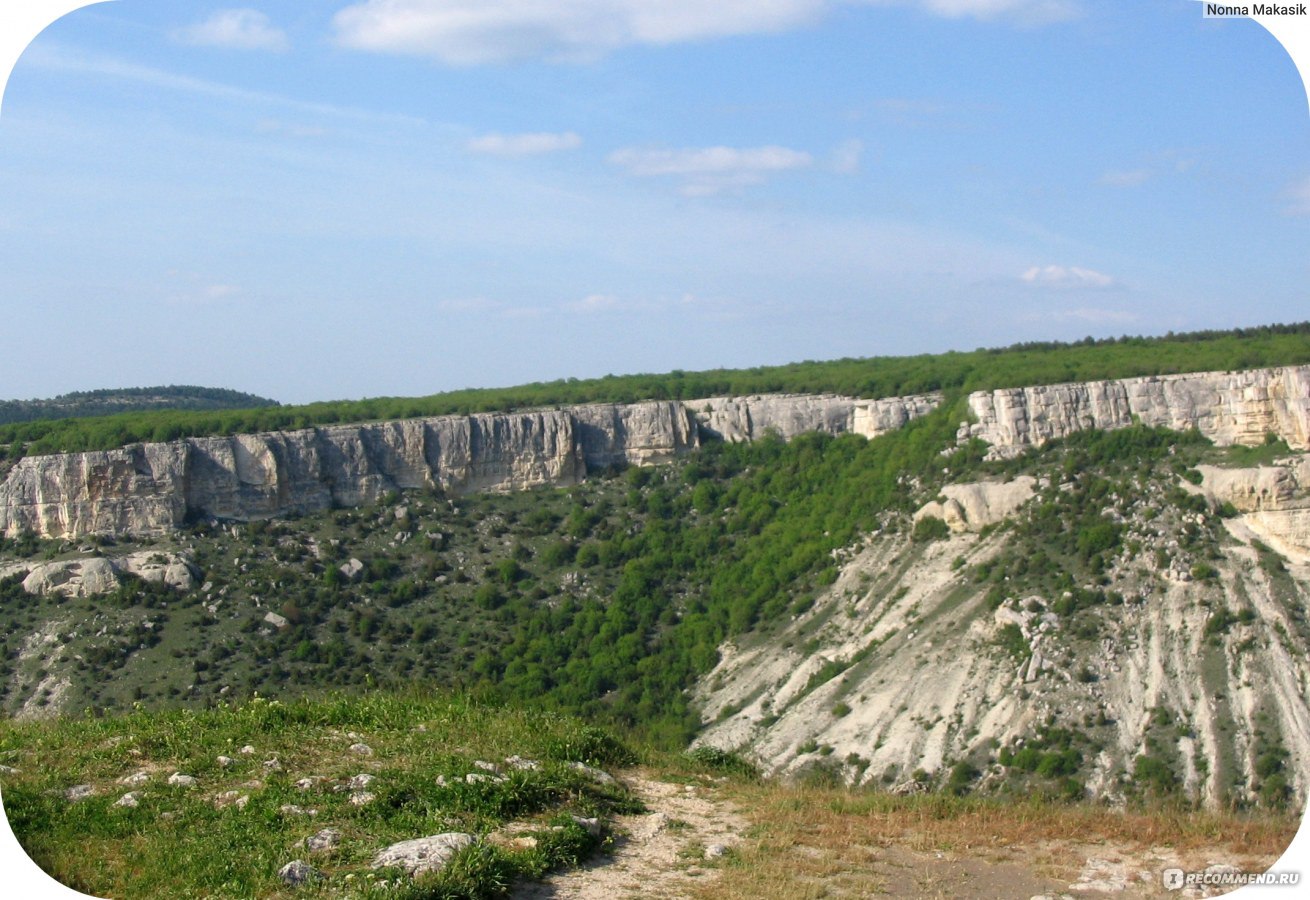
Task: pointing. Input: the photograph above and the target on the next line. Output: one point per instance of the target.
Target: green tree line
(1014, 366)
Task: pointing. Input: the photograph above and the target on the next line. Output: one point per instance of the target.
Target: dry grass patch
(810, 843)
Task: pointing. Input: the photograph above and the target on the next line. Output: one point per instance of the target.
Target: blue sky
(314, 200)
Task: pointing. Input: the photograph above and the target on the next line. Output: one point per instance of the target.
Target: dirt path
(664, 853)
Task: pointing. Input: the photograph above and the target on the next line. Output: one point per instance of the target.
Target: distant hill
(119, 400)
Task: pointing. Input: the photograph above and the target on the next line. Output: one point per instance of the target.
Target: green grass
(180, 842)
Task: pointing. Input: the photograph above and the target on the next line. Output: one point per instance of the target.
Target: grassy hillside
(1022, 364)
(230, 832)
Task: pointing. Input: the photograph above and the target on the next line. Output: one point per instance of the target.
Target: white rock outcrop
(974, 506)
(88, 576)
(426, 854)
(1227, 407)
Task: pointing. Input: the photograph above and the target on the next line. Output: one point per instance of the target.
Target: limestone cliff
(149, 489)
(1227, 407)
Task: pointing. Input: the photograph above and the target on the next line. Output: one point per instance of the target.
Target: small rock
(131, 800)
(359, 782)
(326, 839)
(486, 766)
(306, 784)
(135, 778)
(297, 872)
(224, 762)
(291, 809)
(594, 774)
(427, 854)
(361, 749)
(8, 770)
(518, 762)
(79, 792)
(247, 750)
(716, 851)
(273, 765)
(591, 825)
(361, 798)
(177, 778)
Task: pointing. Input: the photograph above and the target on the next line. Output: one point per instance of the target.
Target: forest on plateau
(875, 377)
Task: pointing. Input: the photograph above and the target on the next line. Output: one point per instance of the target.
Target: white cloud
(241, 29)
(1126, 179)
(709, 170)
(1066, 277)
(475, 32)
(532, 144)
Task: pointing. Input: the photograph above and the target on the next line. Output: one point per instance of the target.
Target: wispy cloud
(240, 29)
(532, 144)
(476, 32)
(709, 170)
(1298, 196)
(1125, 179)
(51, 56)
(846, 158)
(594, 303)
(1067, 278)
(1024, 12)
(1163, 164)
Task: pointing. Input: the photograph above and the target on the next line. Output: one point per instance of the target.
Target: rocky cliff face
(1227, 407)
(905, 664)
(152, 488)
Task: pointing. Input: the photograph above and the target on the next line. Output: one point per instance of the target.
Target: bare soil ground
(708, 839)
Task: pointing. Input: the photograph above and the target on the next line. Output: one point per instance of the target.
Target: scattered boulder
(79, 792)
(598, 775)
(359, 782)
(297, 872)
(135, 778)
(362, 798)
(275, 620)
(130, 800)
(180, 780)
(327, 839)
(353, 570)
(426, 854)
(361, 749)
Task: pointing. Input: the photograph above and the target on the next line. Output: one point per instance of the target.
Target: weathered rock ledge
(150, 489)
(1227, 407)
